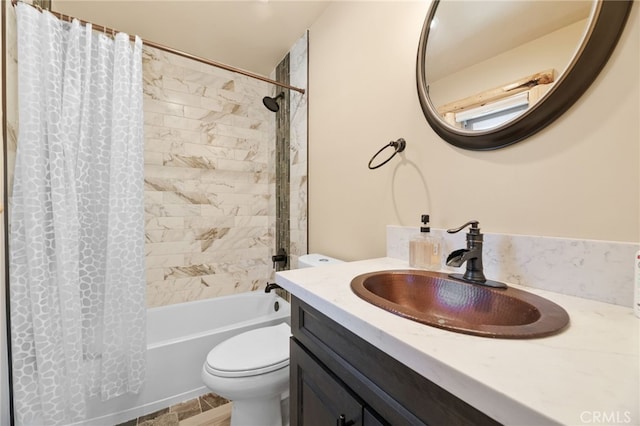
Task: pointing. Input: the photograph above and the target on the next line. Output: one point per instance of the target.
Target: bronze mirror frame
(601, 38)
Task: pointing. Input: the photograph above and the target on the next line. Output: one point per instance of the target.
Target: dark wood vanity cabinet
(324, 399)
(339, 379)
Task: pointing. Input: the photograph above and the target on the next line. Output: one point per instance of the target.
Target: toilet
(251, 369)
(314, 259)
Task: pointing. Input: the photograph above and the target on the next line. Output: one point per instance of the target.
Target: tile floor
(207, 410)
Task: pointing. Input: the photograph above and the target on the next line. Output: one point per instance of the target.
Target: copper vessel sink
(437, 300)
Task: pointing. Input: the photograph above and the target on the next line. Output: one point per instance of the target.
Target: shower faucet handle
(280, 258)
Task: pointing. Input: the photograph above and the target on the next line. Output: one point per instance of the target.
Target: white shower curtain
(77, 284)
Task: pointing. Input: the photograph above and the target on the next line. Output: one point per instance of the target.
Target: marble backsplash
(597, 270)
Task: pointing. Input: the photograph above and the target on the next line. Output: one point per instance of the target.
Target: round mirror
(491, 73)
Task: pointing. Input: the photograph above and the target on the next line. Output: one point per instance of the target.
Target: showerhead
(272, 103)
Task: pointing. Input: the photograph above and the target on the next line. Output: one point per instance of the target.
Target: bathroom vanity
(354, 363)
(338, 378)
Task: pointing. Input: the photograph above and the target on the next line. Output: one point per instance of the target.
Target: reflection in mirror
(491, 73)
(495, 107)
(481, 53)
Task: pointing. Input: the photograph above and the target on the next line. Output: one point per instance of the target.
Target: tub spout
(271, 286)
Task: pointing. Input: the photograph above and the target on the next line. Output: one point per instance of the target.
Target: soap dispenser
(424, 250)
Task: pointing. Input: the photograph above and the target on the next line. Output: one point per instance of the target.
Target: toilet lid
(251, 353)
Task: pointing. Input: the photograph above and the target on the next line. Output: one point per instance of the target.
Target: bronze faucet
(473, 256)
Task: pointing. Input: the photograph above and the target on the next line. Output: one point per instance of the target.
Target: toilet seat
(251, 353)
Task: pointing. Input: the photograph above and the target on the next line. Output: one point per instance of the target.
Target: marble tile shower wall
(209, 173)
(208, 186)
(298, 155)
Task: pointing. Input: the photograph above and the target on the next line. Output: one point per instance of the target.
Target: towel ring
(399, 146)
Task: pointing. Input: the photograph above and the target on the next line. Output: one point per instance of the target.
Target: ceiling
(253, 35)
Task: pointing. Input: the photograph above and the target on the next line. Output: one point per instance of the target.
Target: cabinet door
(318, 398)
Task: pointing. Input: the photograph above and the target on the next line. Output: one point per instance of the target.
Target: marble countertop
(587, 374)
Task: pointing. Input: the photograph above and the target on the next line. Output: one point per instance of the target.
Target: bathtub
(179, 338)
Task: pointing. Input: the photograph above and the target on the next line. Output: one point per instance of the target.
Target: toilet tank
(315, 259)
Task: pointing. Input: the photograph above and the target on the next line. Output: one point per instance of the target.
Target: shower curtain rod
(170, 50)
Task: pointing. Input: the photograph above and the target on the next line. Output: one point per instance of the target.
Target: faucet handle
(474, 228)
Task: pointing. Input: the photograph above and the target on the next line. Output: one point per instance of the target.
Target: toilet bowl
(252, 370)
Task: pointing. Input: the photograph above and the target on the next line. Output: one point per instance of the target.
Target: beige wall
(578, 178)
